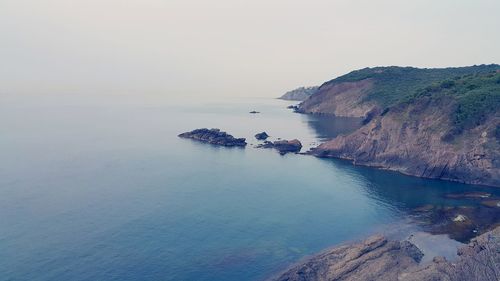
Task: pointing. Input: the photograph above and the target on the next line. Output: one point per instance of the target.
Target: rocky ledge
(378, 258)
(283, 146)
(214, 136)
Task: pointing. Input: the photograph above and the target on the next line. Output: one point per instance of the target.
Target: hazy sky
(230, 47)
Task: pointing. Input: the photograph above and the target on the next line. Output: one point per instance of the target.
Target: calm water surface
(102, 189)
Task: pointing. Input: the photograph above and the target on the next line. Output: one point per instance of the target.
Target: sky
(203, 48)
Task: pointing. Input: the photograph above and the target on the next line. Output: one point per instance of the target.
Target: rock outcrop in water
(433, 123)
(283, 146)
(378, 258)
(215, 137)
(261, 136)
(299, 94)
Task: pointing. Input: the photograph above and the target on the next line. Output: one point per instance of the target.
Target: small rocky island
(283, 146)
(215, 137)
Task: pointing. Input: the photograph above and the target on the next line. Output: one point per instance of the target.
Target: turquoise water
(102, 189)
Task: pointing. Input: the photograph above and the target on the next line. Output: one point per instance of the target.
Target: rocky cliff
(299, 94)
(441, 123)
(378, 258)
(340, 99)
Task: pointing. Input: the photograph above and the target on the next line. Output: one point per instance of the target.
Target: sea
(100, 187)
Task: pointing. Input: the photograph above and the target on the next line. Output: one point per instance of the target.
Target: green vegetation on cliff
(475, 90)
(477, 96)
(396, 84)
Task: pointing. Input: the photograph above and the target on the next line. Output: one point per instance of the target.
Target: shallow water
(95, 188)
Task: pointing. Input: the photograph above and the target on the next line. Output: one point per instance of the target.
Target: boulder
(261, 136)
(283, 146)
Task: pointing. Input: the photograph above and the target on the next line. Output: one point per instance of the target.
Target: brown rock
(214, 136)
(373, 259)
(379, 259)
(491, 203)
(409, 139)
(261, 136)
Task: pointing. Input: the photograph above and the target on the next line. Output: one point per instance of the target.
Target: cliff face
(409, 139)
(445, 131)
(341, 99)
(299, 94)
(380, 259)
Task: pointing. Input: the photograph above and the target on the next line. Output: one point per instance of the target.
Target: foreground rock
(283, 146)
(380, 259)
(261, 136)
(214, 136)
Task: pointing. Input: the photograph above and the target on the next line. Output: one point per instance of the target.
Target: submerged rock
(491, 203)
(283, 146)
(261, 136)
(424, 208)
(459, 222)
(468, 195)
(378, 258)
(460, 218)
(214, 136)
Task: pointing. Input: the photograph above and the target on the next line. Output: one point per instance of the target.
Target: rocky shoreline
(418, 138)
(378, 258)
(390, 142)
(218, 137)
(429, 123)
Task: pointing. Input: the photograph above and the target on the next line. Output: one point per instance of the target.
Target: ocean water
(95, 188)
